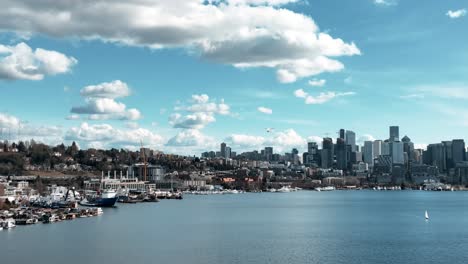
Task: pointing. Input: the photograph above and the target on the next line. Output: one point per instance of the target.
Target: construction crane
(143, 157)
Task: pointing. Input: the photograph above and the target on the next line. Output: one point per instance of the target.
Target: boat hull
(100, 202)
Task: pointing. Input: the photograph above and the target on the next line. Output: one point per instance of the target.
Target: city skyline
(183, 85)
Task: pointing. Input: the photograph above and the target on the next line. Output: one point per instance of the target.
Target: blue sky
(393, 63)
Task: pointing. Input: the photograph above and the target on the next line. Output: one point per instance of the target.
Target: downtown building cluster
(393, 160)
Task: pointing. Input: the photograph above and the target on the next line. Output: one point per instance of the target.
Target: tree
(22, 147)
(40, 154)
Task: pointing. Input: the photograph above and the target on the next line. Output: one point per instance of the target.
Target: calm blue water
(303, 227)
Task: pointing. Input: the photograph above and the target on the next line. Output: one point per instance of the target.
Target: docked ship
(106, 198)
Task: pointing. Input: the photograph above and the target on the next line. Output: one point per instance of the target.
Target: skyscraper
(268, 153)
(341, 160)
(313, 154)
(228, 153)
(377, 148)
(223, 150)
(385, 148)
(342, 134)
(394, 133)
(350, 138)
(327, 153)
(397, 153)
(368, 152)
(408, 148)
(458, 151)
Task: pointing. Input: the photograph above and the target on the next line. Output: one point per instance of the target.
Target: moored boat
(107, 198)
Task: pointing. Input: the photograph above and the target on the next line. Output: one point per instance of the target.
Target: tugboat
(107, 198)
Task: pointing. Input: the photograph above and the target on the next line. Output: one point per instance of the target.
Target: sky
(182, 76)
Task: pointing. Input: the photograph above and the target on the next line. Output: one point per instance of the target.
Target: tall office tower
(397, 153)
(268, 152)
(458, 151)
(394, 133)
(223, 150)
(342, 134)
(313, 154)
(312, 148)
(408, 148)
(349, 157)
(448, 154)
(377, 148)
(385, 148)
(368, 150)
(435, 155)
(351, 139)
(341, 161)
(327, 153)
(228, 153)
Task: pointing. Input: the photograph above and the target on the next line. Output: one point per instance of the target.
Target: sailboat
(426, 215)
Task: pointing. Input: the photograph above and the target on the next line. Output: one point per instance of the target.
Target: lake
(300, 227)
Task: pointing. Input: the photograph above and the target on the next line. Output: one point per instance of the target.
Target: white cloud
(191, 121)
(200, 112)
(21, 62)
(317, 82)
(245, 140)
(288, 138)
(190, 138)
(456, 14)
(322, 98)
(242, 33)
(365, 137)
(385, 2)
(8, 121)
(100, 102)
(300, 93)
(281, 141)
(106, 136)
(21, 130)
(114, 89)
(265, 110)
(73, 117)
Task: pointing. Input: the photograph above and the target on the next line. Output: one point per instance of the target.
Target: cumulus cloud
(265, 110)
(21, 130)
(322, 98)
(8, 121)
(114, 89)
(106, 136)
(245, 140)
(456, 14)
(191, 121)
(281, 141)
(200, 112)
(242, 33)
(21, 62)
(100, 103)
(190, 138)
(317, 82)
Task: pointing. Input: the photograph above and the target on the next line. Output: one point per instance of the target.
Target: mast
(143, 156)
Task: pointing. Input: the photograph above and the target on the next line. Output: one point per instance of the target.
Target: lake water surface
(302, 227)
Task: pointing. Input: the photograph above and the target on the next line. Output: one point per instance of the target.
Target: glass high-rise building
(350, 138)
(368, 150)
(394, 133)
(327, 153)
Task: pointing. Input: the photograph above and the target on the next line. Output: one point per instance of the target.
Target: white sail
(426, 215)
